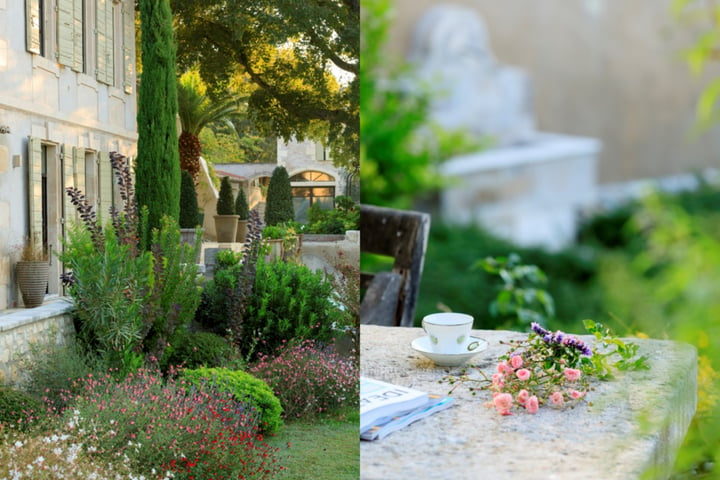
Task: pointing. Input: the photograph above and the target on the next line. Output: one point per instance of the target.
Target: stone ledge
(21, 317)
(634, 427)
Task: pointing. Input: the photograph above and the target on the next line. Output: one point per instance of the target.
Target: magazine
(380, 400)
(387, 425)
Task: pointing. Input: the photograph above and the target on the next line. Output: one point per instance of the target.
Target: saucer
(474, 346)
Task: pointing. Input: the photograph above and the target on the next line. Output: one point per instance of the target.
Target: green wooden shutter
(65, 29)
(128, 25)
(68, 175)
(78, 37)
(104, 28)
(106, 186)
(32, 26)
(35, 213)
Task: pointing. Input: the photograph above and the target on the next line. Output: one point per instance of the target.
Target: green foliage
(175, 292)
(288, 56)
(110, 290)
(519, 302)
(49, 371)
(670, 290)
(241, 205)
(214, 310)
(607, 349)
(18, 409)
(157, 168)
(189, 212)
(279, 206)
(453, 251)
(243, 386)
(345, 216)
(225, 203)
(201, 349)
(289, 301)
(396, 154)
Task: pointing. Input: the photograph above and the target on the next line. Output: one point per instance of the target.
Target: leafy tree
(288, 52)
(279, 208)
(157, 169)
(189, 213)
(225, 203)
(197, 110)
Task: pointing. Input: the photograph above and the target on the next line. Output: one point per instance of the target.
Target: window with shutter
(35, 191)
(104, 25)
(33, 22)
(65, 29)
(128, 26)
(79, 170)
(78, 36)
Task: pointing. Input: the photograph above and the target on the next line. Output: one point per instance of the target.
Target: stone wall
(19, 329)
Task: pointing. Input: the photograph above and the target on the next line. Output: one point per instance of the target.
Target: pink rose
(501, 367)
(503, 402)
(497, 378)
(532, 405)
(516, 362)
(572, 374)
(523, 396)
(577, 395)
(523, 374)
(556, 398)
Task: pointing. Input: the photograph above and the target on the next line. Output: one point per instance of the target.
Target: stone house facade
(67, 99)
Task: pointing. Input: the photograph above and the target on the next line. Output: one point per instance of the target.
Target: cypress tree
(241, 205)
(157, 170)
(225, 203)
(189, 215)
(279, 207)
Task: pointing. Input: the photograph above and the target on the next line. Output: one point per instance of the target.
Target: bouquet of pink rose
(552, 368)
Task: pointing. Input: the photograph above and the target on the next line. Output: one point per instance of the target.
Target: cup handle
(473, 345)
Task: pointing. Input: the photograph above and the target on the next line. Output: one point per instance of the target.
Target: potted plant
(226, 221)
(243, 211)
(281, 240)
(31, 272)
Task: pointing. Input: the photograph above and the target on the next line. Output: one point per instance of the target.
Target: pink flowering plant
(552, 369)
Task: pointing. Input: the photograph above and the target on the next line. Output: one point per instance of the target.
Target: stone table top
(636, 422)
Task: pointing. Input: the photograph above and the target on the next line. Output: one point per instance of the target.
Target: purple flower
(538, 329)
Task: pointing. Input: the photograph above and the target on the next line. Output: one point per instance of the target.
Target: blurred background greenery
(648, 267)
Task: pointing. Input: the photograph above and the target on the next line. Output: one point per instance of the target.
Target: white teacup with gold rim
(448, 331)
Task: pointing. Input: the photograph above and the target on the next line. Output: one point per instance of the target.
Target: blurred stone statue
(471, 90)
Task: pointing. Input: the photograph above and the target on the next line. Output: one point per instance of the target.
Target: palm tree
(196, 111)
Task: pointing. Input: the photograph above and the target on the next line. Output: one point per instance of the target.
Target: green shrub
(345, 216)
(241, 205)
(289, 301)
(201, 349)
(225, 203)
(189, 212)
(49, 371)
(212, 313)
(279, 207)
(242, 386)
(18, 409)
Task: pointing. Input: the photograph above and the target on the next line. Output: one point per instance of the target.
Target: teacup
(448, 331)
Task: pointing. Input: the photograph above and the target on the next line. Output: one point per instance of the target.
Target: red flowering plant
(552, 368)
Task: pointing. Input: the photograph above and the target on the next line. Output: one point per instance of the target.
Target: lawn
(319, 449)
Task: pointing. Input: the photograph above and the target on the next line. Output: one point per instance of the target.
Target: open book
(385, 407)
